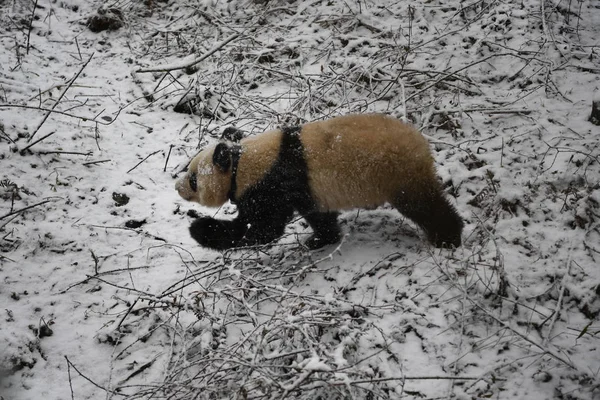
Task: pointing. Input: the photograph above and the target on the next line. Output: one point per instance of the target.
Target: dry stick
(50, 110)
(30, 25)
(64, 91)
(89, 380)
(488, 110)
(126, 314)
(560, 297)
(416, 378)
(187, 64)
(168, 155)
(95, 162)
(514, 330)
(525, 336)
(2, 227)
(70, 381)
(297, 383)
(24, 209)
(5, 135)
(450, 74)
(78, 50)
(147, 157)
(76, 153)
(23, 150)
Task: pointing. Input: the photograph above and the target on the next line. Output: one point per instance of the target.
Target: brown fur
(364, 160)
(259, 154)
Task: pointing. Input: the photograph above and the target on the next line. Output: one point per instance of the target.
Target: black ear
(233, 134)
(222, 157)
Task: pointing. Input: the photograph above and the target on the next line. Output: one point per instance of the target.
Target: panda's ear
(233, 134)
(222, 157)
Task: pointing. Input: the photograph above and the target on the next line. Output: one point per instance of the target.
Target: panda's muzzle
(183, 188)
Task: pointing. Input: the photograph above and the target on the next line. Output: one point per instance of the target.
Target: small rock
(120, 199)
(109, 19)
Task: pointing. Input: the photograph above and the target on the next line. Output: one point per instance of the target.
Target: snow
(107, 296)
(315, 364)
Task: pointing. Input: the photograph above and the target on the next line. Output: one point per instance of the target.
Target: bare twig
(168, 156)
(51, 110)
(96, 162)
(23, 150)
(450, 74)
(187, 64)
(24, 209)
(75, 153)
(70, 381)
(145, 158)
(60, 96)
(89, 380)
(563, 283)
(30, 25)
(525, 336)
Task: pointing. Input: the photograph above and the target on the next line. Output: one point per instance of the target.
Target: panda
(317, 170)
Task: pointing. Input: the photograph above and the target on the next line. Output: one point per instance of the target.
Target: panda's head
(208, 179)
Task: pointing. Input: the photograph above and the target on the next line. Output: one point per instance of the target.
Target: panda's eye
(194, 182)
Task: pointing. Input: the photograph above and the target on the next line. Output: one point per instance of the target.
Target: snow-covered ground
(103, 293)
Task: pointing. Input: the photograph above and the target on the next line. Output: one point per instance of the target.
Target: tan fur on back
(365, 160)
(259, 153)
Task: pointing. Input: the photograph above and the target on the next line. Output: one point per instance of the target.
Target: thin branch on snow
(60, 96)
(561, 294)
(19, 211)
(144, 159)
(114, 393)
(189, 63)
(30, 26)
(96, 162)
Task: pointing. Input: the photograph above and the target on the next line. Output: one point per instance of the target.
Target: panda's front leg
(217, 234)
(263, 225)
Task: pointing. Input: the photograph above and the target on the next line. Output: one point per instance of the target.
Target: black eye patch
(193, 182)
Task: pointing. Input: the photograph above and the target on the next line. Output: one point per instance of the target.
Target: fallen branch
(24, 209)
(526, 337)
(560, 298)
(421, 378)
(64, 91)
(168, 156)
(75, 153)
(70, 364)
(450, 74)
(187, 64)
(95, 162)
(487, 110)
(23, 150)
(51, 110)
(147, 157)
(30, 25)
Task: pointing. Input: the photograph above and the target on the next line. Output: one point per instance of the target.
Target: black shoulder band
(236, 152)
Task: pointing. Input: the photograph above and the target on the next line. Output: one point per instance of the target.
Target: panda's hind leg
(434, 214)
(325, 229)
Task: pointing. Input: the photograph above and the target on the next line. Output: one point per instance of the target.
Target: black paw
(445, 241)
(214, 234)
(315, 242)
